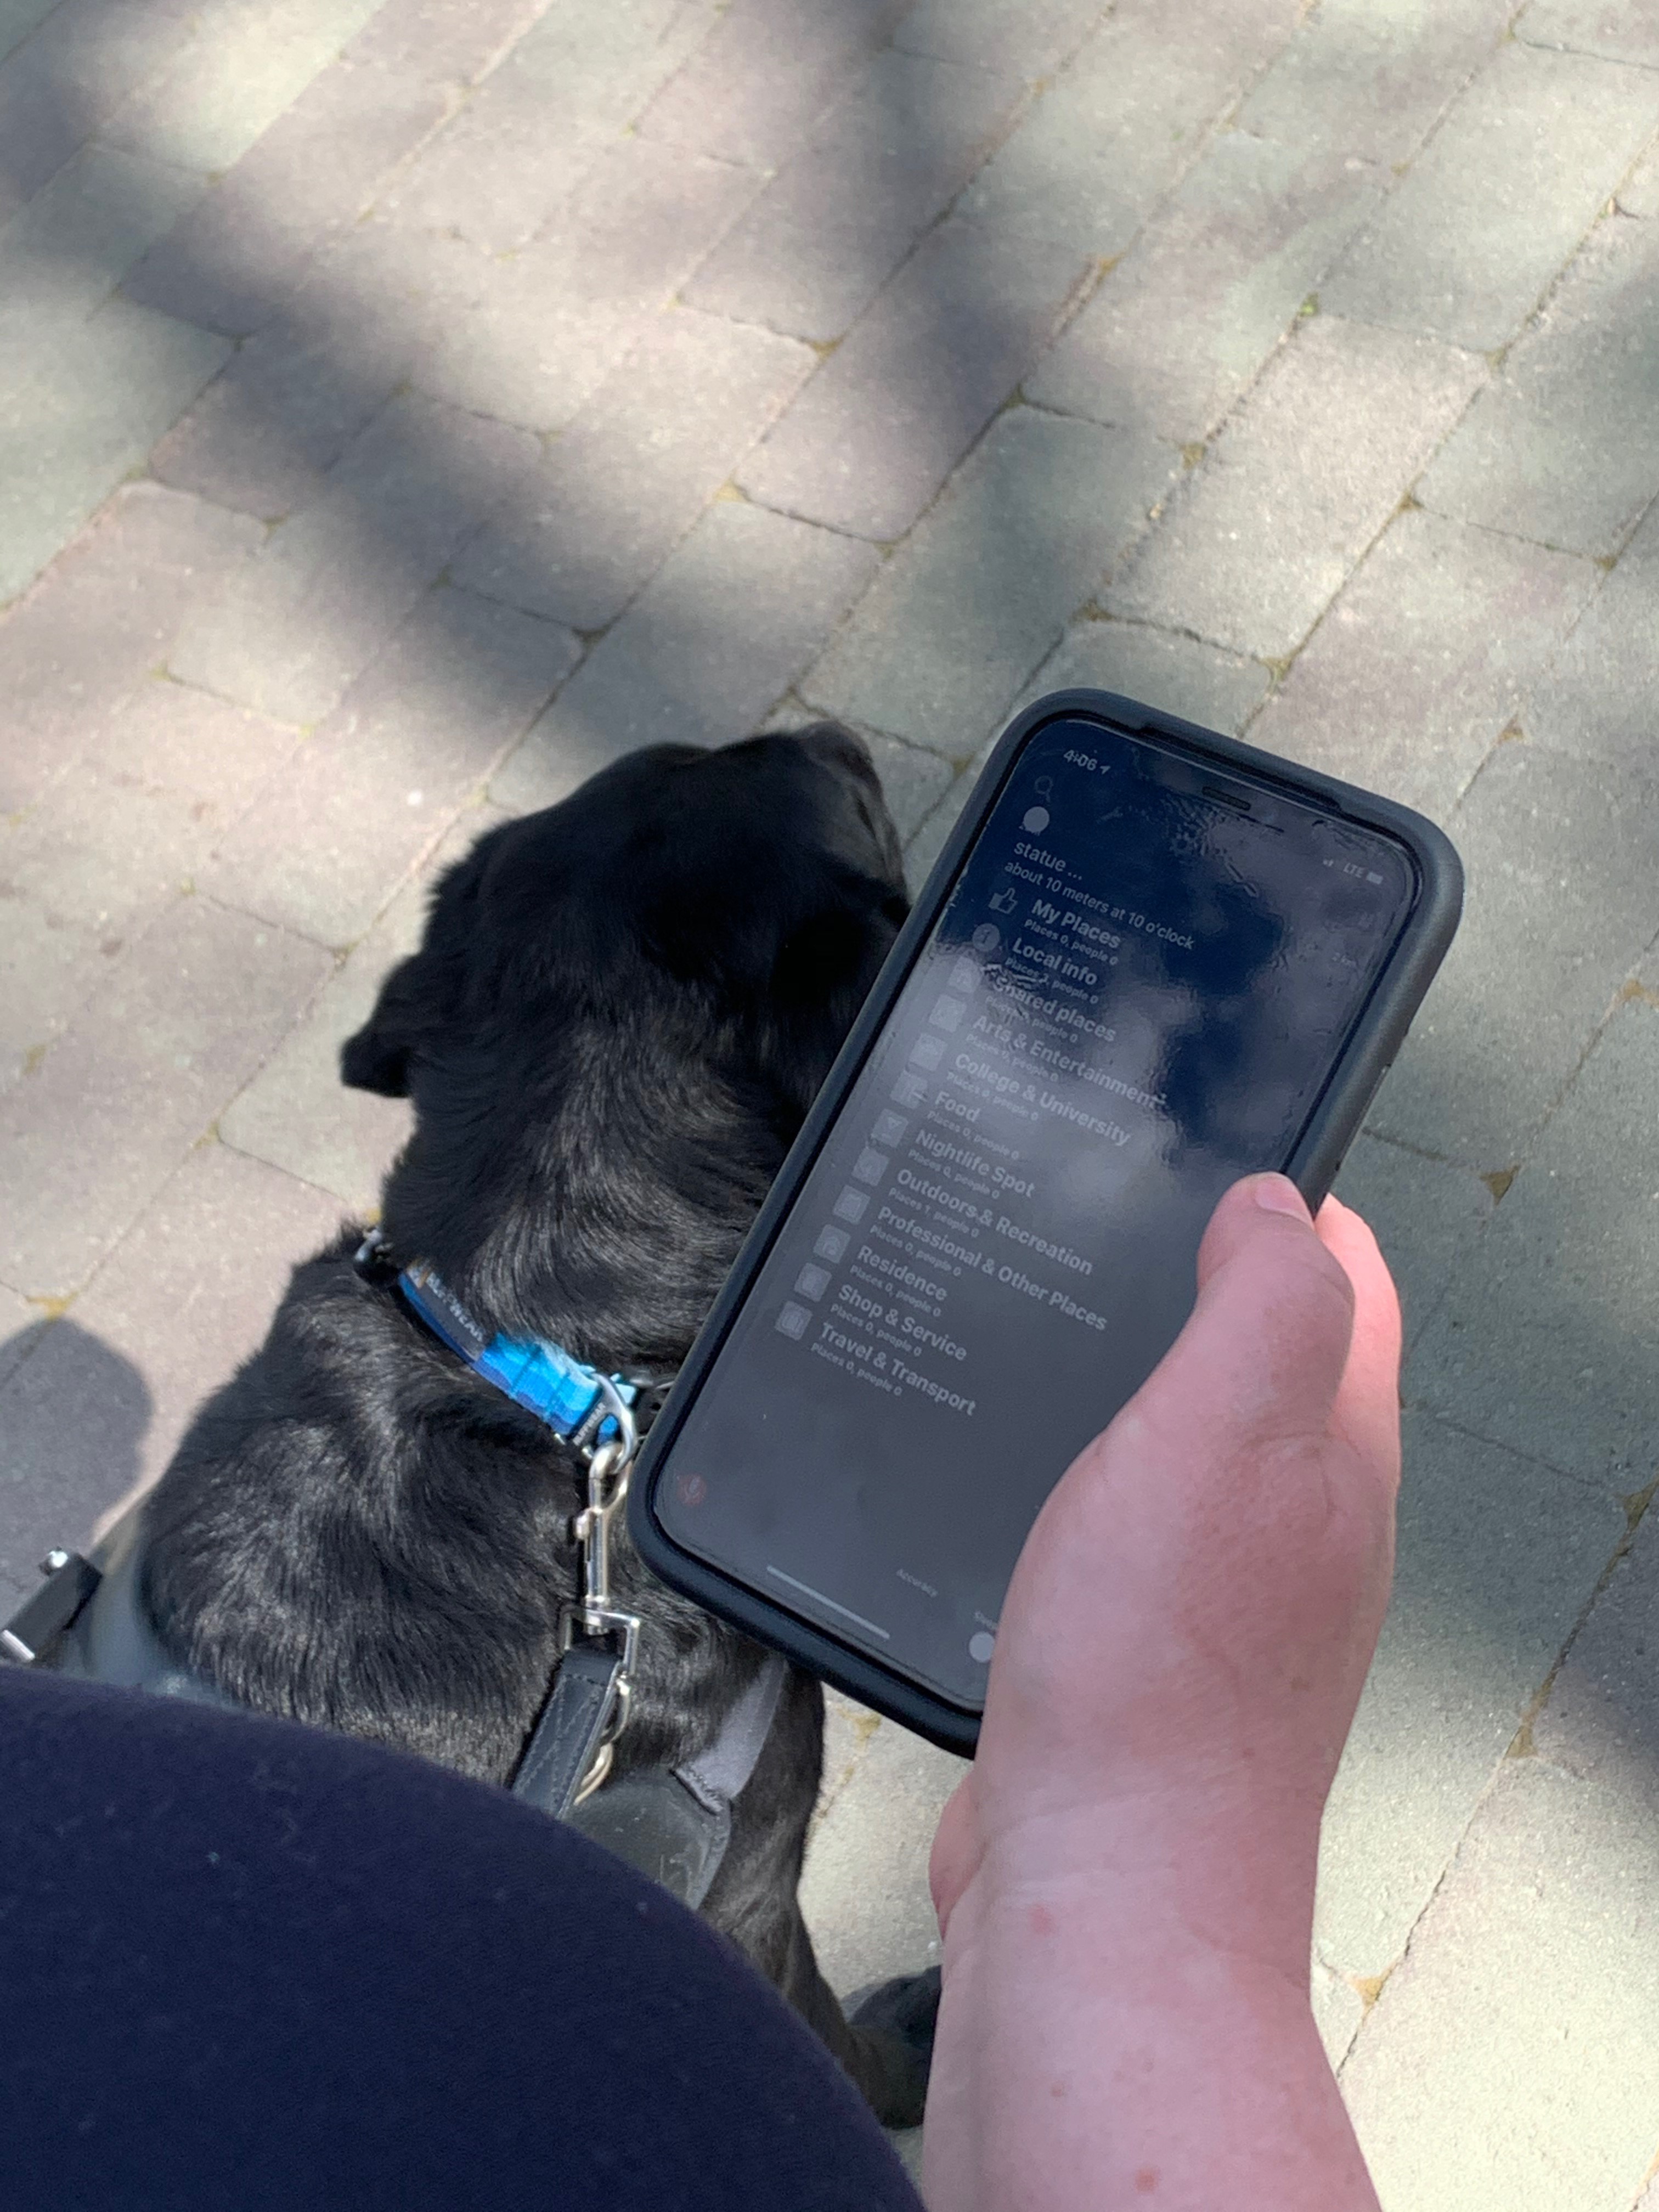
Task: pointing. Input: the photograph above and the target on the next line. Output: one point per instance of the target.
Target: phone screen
(1139, 984)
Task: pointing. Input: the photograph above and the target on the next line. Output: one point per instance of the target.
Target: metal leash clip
(608, 1460)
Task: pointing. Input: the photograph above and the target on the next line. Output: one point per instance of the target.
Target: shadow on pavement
(76, 1413)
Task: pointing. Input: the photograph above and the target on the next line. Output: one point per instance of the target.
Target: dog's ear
(377, 1058)
(423, 997)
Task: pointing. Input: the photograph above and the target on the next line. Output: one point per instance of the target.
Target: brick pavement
(404, 409)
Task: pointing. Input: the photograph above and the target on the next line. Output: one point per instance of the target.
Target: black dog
(620, 1013)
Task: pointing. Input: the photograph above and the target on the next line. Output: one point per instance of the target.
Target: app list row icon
(872, 1163)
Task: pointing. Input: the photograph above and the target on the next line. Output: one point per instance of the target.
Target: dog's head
(621, 1010)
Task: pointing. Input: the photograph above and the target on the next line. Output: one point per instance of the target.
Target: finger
(1236, 1216)
(1367, 1410)
(1262, 1356)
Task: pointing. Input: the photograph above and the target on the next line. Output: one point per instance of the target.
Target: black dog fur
(621, 1010)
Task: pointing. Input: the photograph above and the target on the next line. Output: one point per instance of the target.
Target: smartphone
(1149, 961)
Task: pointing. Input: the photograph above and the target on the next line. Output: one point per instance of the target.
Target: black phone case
(1336, 1120)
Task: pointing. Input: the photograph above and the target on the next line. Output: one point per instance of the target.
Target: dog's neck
(602, 1209)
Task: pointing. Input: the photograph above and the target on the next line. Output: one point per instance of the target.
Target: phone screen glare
(1134, 994)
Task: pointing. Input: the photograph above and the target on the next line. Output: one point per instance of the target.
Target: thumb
(1261, 1358)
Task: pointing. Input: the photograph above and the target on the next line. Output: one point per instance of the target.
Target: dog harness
(673, 1824)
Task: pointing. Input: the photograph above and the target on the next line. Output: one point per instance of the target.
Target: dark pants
(245, 1965)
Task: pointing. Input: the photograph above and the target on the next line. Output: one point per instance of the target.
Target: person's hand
(1182, 1646)
(1193, 1616)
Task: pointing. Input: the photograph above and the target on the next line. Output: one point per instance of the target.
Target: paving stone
(623, 483)
(297, 622)
(296, 1114)
(74, 1414)
(1638, 192)
(1116, 129)
(765, 75)
(21, 1325)
(1561, 899)
(966, 608)
(1561, 446)
(720, 633)
(143, 1073)
(924, 848)
(1600, 1724)
(1426, 658)
(64, 254)
(1601, 1707)
(246, 447)
(380, 276)
(549, 324)
(101, 616)
(1544, 1340)
(441, 43)
(913, 780)
(1595, 701)
(229, 262)
(1185, 677)
(1338, 2010)
(1497, 1559)
(69, 435)
(830, 228)
(1511, 2064)
(848, 1731)
(187, 1296)
(266, 431)
(1498, 198)
(84, 60)
(542, 119)
(18, 18)
(886, 418)
(167, 741)
(323, 848)
(1219, 691)
(851, 1734)
(1427, 1215)
(1617, 30)
(250, 60)
(1032, 36)
(865, 1889)
(1296, 484)
(1368, 78)
(48, 965)
(109, 847)
(1181, 327)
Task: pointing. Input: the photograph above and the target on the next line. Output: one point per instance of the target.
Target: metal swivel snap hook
(608, 1460)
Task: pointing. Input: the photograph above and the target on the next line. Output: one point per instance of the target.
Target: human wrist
(1229, 1860)
(1148, 1944)
(1114, 2029)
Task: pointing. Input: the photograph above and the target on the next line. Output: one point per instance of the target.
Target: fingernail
(1277, 1194)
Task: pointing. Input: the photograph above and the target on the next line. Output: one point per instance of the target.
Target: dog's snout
(839, 748)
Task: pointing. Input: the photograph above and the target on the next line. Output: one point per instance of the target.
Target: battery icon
(1372, 875)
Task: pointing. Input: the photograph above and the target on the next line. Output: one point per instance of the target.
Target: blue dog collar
(541, 1377)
